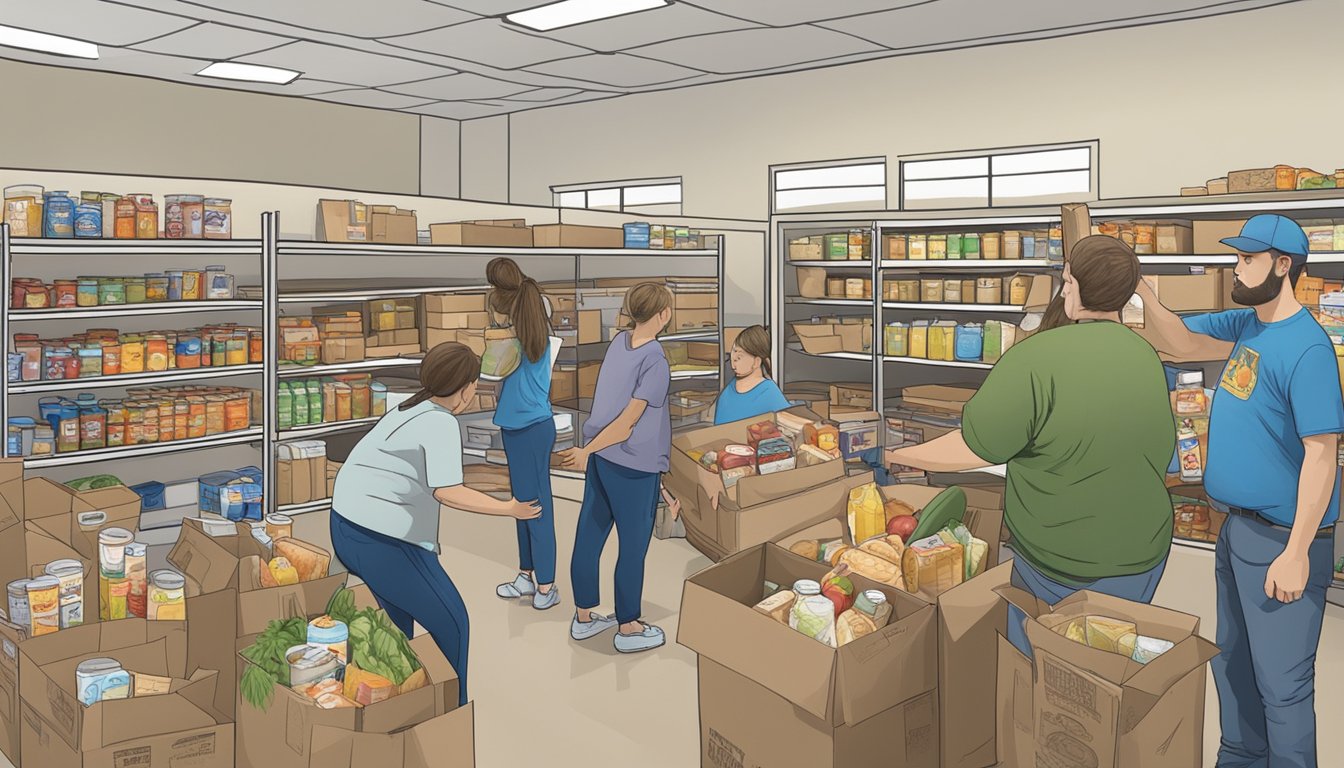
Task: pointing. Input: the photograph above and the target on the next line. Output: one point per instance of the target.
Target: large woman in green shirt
(1081, 415)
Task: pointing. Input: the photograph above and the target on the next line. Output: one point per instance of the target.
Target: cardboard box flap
(11, 492)
(1162, 673)
(43, 547)
(258, 608)
(1023, 600)
(759, 489)
(447, 741)
(404, 710)
(153, 715)
(432, 659)
(718, 622)
(869, 682)
(962, 609)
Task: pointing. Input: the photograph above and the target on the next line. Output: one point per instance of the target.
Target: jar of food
(137, 292)
(219, 350)
(156, 352)
(86, 292)
(218, 218)
(89, 220)
(378, 399)
(188, 351)
(813, 614)
(174, 225)
(23, 210)
(44, 605)
(101, 680)
(174, 285)
(330, 406)
(72, 364)
(91, 361)
(112, 543)
(44, 441)
(126, 218)
(192, 282)
(256, 346)
(156, 287)
(135, 423)
(66, 294)
(167, 596)
(92, 424)
(111, 291)
(70, 574)
(146, 217)
(116, 422)
(58, 219)
(219, 284)
(279, 526)
(132, 353)
(18, 603)
(138, 578)
(31, 367)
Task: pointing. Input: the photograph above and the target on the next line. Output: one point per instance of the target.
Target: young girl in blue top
(628, 441)
(754, 392)
(527, 423)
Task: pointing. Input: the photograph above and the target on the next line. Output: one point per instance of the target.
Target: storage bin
(151, 495)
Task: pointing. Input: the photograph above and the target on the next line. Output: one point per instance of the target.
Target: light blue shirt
(760, 400)
(1280, 385)
(525, 395)
(387, 484)
(629, 374)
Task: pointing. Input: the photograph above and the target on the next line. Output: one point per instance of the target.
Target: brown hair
(518, 297)
(1107, 273)
(645, 301)
(755, 341)
(446, 370)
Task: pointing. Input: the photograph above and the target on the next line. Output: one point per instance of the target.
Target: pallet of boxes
(821, 647)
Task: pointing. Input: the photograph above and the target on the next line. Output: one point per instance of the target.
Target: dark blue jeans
(628, 499)
(528, 451)
(1266, 673)
(1138, 588)
(410, 585)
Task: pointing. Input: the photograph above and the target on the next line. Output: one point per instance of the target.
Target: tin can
(70, 574)
(44, 605)
(17, 605)
(89, 220)
(279, 526)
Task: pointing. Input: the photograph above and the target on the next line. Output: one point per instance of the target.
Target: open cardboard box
(1131, 714)
(865, 704)
(419, 727)
(183, 725)
(54, 509)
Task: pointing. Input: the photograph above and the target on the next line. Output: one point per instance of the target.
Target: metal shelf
(934, 307)
(938, 363)
(938, 265)
(335, 427)
(835, 355)
(132, 379)
(682, 375)
(300, 248)
(303, 371)
(320, 505)
(31, 246)
(830, 302)
(151, 449)
(834, 264)
(708, 333)
(133, 310)
(313, 297)
(1178, 260)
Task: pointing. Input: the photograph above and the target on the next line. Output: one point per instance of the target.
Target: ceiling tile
(459, 110)
(367, 97)
(91, 20)
(619, 71)
(784, 13)
(542, 95)
(755, 50)
(964, 22)
(346, 65)
(489, 42)
(654, 26)
(213, 41)
(459, 87)
(492, 7)
(356, 18)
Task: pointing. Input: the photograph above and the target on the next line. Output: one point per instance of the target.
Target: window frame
(1093, 194)
(818, 165)
(558, 191)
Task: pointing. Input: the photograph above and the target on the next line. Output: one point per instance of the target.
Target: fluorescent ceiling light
(229, 70)
(567, 13)
(13, 37)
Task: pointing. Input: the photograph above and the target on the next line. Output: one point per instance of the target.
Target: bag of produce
(503, 354)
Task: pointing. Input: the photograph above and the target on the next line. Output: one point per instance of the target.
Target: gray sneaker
(588, 630)
(545, 600)
(652, 637)
(521, 587)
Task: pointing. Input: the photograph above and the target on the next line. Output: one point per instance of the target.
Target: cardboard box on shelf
(1175, 238)
(1194, 292)
(421, 727)
(1207, 233)
(772, 696)
(806, 249)
(390, 225)
(301, 472)
(396, 338)
(452, 321)
(852, 395)
(472, 338)
(1253, 180)
(684, 300)
(564, 385)
(1135, 714)
(855, 338)
(693, 320)
(342, 221)
(588, 379)
(812, 281)
(575, 236)
(454, 303)
(477, 234)
(819, 338)
(332, 322)
(938, 396)
(183, 725)
(342, 349)
(387, 314)
(381, 351)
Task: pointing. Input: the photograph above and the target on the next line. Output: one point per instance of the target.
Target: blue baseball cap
(1270, 231)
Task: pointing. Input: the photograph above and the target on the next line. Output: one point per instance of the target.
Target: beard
(1256, 296)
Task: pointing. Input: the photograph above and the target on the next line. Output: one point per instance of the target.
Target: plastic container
(112, 543)
(330, 634)
(116, 422)
(92, 424)
(151, 495)
(22, 432)
(137, 292)
(58, 218)
(279, 526)
(91, 361)
(167, 596)
(378, 398)
(139, 580)
(101, 680)
(813, 615)
(156, 287)
(89, 220)
(897, 338)
(44, 441)
(17, 605)
(970, 342)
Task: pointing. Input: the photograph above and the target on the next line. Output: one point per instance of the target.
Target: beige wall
(1159, 98)
(79, 120)
(485, 160)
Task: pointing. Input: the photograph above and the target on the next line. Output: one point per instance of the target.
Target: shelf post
(879, 346)
(6, 269)
(270, 224)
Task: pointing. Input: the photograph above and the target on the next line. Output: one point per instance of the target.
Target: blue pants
(1266, 673)
(410, 585)
(528, 451)
(1139, 588)
(628, 499)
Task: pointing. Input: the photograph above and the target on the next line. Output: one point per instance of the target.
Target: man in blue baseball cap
(1273, 467)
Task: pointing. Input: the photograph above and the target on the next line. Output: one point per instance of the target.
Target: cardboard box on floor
(720, 520)
(421, 727)
(1090, 707)
(182, 727)
(772, 696)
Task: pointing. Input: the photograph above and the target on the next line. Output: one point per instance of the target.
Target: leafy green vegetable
(342, 606)
(269, 666)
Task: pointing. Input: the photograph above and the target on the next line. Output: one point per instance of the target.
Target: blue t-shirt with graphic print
(1280, 385)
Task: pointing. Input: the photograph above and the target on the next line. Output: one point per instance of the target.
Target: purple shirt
(634, 374)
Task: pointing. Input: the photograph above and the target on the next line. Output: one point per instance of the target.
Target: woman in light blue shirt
(385, 511)
(527, 425)
(754, 392)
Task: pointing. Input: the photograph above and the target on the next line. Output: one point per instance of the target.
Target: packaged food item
(917, 247)
(279, 526)
(44, 605)
(867, 517)
(310, 562)
(1104, 633)
(889, 548)
(1148, 648)
(812, 614)
(101, 680)
(897, 340)
(876, 568)
(138, 578)
(89, 219)
(778, 606)
(58, 218)
(1191, 459)
(991, 246)
(70, 575)
(734, 456)
(150, 685)
(282, 573)
(919, 339)
(17, 605)
(774, 455)
(932, 566)
(23, 210)
(852, 625)
(874, 604)
(167, 596)
(330, 634)
(309, 665)
(366, 688)
(146, 217)
(937, 247)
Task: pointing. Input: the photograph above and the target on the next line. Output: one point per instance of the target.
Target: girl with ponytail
(527, 425)
(385, 511)
(754, 392)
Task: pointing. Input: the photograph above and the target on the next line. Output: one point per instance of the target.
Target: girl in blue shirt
(527, 424)
(754, 392)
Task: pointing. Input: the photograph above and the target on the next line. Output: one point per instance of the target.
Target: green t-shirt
(1082, 417)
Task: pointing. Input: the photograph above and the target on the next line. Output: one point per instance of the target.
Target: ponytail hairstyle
(644, 302)
(518, 297)
(447, 369)
(755, 341)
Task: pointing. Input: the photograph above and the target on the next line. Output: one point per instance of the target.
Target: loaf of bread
(310, 561)
(896, 508)
(808, 548)
(851, 625)
(932, 566)
(778, 605)
(831, 552)
(873, 567)
(1104, 633)
(884, 549)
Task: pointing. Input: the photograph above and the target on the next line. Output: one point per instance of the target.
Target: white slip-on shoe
(580, 630)
(519, 588)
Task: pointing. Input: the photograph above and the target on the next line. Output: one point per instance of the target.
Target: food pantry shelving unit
(889, 375)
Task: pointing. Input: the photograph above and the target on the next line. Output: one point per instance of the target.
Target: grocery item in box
(778, 605)
(871, 566)
(774, 455)
(867, 517)
(932, 566)
(310, 561)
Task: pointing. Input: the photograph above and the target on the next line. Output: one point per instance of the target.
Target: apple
(902, 526)
(840, 591)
